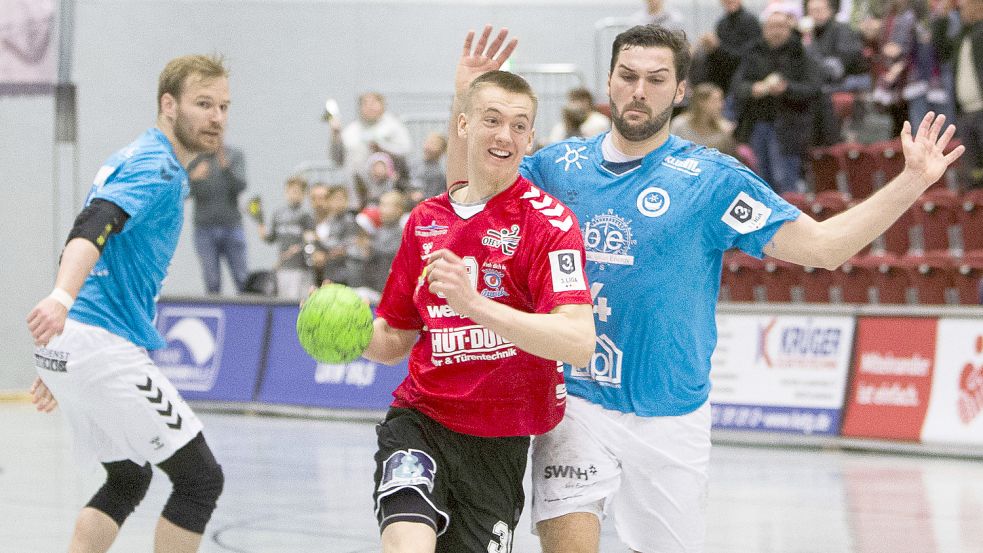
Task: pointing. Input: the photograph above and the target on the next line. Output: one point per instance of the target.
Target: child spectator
(287, 229)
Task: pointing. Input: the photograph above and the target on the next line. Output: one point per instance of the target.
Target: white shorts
(118, 403)
(651, 470)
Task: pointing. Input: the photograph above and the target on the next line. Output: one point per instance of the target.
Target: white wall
(286, 57)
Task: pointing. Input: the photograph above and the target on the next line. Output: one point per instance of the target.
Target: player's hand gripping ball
(334, 324)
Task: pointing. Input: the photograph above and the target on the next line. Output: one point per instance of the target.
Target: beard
(185, 134)
(639, 131)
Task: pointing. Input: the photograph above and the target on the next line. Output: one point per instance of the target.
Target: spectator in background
(704, 122)
(216, 180)
(965, 50)
(893, 60)
(580, 117)
(291, 227)
(335, 231)
(375, 130)
(656, 13)
(380, 177)
(718, 54)
(382, 241)
(776, 86)
(428, 175)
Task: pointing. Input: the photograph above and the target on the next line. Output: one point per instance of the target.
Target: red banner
(892, 378)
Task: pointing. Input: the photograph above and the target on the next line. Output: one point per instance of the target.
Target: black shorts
(474, 483)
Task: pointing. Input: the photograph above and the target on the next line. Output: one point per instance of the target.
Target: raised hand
(924, 153)
(483, 58)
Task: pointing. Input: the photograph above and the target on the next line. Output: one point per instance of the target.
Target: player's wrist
(61, 296)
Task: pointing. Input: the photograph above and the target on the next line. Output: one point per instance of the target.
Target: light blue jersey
(146, 180)
(655, 233)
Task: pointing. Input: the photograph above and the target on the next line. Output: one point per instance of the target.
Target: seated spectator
(428, 175)
(335, 230)
(375, 130)
(380, 177)
(776, 86)
(704, 123)
(580, 117)
(382, 240)
(291, 227)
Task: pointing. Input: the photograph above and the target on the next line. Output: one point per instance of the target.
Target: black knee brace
(126, 484)
(197, 482)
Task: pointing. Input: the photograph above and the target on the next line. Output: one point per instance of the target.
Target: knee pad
(407, 505)
(126, 484)
(197, 482)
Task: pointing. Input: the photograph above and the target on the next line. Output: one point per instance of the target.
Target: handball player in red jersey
(487, 295)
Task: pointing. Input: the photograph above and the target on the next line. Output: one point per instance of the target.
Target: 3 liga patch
(746, 214)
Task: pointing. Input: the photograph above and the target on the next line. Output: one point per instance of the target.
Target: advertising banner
(957, 385)
(780, 373)
(892, 382)
(213, 350)
(292, 377)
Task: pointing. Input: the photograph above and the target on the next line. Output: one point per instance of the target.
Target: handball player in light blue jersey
(93, 331)
(657, 213)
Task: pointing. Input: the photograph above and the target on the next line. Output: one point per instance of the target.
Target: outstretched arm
(829, 243)
(483, 58)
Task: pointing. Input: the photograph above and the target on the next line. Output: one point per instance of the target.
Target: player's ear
(532, 141)
(462, 125)
(168, 104)
(680, 92)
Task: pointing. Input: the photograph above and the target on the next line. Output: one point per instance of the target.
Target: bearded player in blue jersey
(657, 213)
(93, 331)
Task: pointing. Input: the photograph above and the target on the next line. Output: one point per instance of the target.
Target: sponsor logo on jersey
(565, 271)
(433, 229)
(409, 467)
(441, 311)
(688, 166)
(51, 360)
(608, 240)
(506, 239)
(569, 471)
(653, 202)
(746, 214)
(572, 157)
(468, 343)
(493, 280)
(605, 364)
(193, 354)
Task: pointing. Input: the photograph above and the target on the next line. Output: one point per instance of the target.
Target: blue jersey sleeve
(139, 184)
(745, 212)
(529, 168)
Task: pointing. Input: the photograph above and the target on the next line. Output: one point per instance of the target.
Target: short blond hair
(177, 71)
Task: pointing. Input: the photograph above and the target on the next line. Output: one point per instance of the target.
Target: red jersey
(524, 249)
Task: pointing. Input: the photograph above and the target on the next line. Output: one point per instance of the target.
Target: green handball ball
(334, 325)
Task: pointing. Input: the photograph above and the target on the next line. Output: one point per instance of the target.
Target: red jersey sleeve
(396, 305)
(556, 268)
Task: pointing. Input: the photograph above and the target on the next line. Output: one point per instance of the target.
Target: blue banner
(292, 377)
(213, 350)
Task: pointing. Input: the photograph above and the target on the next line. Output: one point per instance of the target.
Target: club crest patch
(410, 467)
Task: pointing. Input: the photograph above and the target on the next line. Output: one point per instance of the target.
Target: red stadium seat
(740, 277)
(826, 168)
(799, 200)
(829, 203)
(817, 284)
(936, 213)
(889, 278)
(931, 277)
(859, 164)
(780, 280)
(853, 282)
(971, 221)
(888, 159)
(897, 239)
(968, 279)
